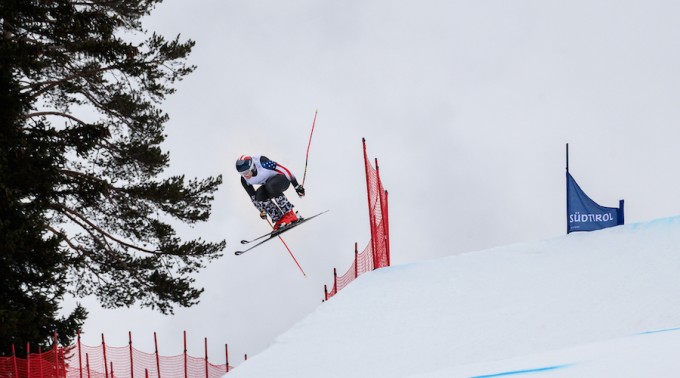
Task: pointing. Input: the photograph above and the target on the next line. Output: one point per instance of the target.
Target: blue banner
(583, 214)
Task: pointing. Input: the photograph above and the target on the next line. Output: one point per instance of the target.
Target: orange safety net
(377, 252)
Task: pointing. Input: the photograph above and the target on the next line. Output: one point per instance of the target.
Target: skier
(273, 179)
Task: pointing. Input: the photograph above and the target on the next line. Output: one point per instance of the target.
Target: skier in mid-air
(273, 179)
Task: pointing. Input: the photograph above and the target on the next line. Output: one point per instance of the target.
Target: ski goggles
(247, 172)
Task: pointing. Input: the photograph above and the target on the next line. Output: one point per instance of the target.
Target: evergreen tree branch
(44, 86)
(87, 229)
(104, 184)
(62, 236)
(83, 251)
(72, 213)
(54, 113)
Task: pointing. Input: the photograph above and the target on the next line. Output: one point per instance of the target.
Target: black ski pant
(272, 188)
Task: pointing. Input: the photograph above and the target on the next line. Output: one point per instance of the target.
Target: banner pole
(567, 188)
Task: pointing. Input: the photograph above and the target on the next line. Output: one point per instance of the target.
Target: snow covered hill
(600, 304)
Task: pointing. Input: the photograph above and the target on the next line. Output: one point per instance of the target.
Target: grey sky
(466, 104)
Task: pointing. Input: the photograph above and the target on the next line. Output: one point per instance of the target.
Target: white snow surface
(598, 304)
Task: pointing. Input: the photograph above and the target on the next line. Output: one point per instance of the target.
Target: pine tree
(84, 206)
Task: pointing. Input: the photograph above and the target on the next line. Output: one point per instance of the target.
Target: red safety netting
(104, 361)
(377, 252)
(363, 262)
(377, 212)
(49, 364)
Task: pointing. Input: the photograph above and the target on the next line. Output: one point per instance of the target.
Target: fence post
(56, 355)
(226, 353)
(80, 358)
(335, 280)
(158, 360)
(185, 355)
(386, 226)
(14, 361)
(356, 260)
(106, 365)
(87, 364)
(40, 360)
(132, 367)
(112, 375)
(374, 221)
(205, 344)
(371, 217)
(28, 360)
(383, 215)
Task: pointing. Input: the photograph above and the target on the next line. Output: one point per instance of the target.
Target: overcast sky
(466, 104)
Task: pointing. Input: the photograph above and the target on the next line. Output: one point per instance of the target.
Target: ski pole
(289, 251)
(308, 145)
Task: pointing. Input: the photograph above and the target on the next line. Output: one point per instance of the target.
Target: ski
(271, 235)
(256, 239)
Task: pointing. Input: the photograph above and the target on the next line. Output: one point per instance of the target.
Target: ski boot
(287, 219)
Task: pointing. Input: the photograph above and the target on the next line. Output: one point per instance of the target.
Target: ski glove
(260, 206)
(300, 190)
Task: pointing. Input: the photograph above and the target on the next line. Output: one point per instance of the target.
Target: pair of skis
(271, 235)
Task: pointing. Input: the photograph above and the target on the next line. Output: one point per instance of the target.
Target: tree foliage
(85, 208)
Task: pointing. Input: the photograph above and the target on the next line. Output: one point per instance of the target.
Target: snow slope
(597, 304)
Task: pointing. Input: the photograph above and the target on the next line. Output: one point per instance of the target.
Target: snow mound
(566, 306)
